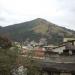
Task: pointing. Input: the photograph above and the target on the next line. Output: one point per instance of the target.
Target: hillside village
(38, 47)
(43, 47)
(62, 54)
(49, 56)
(37, 37)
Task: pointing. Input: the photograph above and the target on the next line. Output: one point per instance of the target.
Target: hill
(36, 30)
(0, 27)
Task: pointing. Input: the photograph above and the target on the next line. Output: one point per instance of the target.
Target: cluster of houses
(64, 64)
(40, 50)
(66, 48)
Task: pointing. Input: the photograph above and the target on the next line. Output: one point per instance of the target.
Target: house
(51, 49)
(68, 39)
(39, 52)
(36, 52)
(66, 48)
(70, 47)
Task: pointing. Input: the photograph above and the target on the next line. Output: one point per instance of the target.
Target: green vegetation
(10, 58)
(32, 65)
(7, 60)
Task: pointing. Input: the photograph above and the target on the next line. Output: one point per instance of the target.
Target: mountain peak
(40, 19)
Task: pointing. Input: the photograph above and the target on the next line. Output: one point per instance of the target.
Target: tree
(32, 64)
(5, 42)
(8, 59)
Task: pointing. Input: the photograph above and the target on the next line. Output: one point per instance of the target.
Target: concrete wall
(59, 50)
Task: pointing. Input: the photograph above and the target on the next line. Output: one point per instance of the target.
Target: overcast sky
(61, 12)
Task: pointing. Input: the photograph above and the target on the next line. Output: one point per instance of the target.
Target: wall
(59, 50)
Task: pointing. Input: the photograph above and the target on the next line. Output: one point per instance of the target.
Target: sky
(60, 12)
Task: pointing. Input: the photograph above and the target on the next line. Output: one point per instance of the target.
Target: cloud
(61, 12)
(66, 14)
